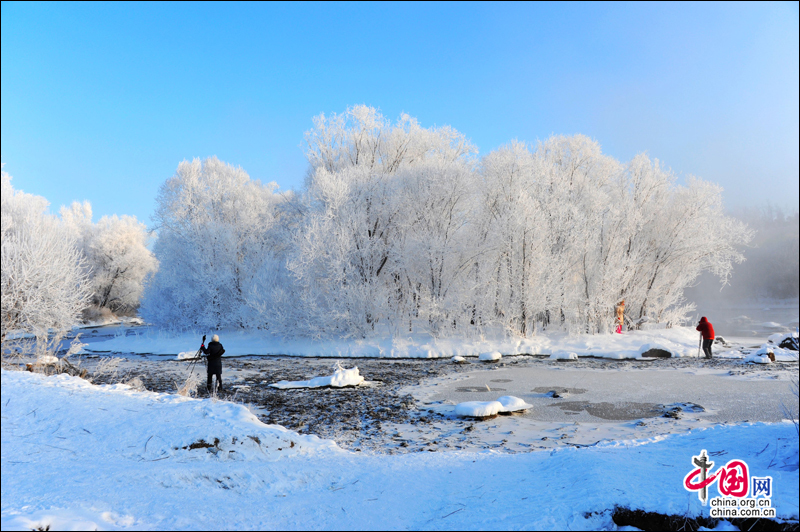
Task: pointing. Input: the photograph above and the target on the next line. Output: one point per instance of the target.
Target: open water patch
(558, 390)
(622, 411)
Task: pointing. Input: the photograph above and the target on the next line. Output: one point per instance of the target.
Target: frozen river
(636, 390)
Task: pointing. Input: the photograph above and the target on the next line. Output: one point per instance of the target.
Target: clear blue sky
(102, 101)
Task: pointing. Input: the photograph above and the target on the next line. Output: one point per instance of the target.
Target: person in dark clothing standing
(214, 352)
(707, 331)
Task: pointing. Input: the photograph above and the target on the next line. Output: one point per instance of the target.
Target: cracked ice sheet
(56, 474)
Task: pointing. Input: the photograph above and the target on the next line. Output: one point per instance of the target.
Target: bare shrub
(795, 389)
(136, 383)
(190, 386)
(108, 367)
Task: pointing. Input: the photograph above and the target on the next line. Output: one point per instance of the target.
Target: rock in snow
(757, 358)
(507, 403)
(655, 350)
(458, 359)
(657, 353)
(340, 378)
(490, 357)
(478, 408)
(513, 404)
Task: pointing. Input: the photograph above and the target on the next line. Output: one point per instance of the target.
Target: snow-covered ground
(78, 456)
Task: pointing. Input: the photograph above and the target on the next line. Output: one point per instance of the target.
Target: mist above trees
(402, 229)
(772, 268)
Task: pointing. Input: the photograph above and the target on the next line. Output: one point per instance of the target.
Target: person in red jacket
(707, 331)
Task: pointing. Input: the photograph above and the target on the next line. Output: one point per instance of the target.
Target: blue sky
(102, 101)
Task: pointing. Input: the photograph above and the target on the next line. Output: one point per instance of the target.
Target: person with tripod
(214, 352)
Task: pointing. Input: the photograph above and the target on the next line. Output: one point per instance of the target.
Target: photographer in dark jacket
(214, 352)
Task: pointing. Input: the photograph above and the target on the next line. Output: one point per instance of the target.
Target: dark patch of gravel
(352, 416)
(656, 521)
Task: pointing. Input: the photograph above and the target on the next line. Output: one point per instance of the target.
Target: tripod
(197, 356)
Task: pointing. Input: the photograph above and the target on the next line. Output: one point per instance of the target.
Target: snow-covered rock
(757, 358)
(478, 408)
(787, 341)
(340, 378)
(564, 355)
(458, 359)
(513, 404)
(494, 356)
(781, 355)
(186, 355)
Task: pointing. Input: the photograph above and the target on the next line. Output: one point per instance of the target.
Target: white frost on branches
(216, 247)
(400, 230)
(44, 284)
(119, 263)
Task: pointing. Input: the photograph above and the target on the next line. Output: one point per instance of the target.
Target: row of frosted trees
(54, 269)
(402, 229)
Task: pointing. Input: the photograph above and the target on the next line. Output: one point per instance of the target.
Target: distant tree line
(402, 229)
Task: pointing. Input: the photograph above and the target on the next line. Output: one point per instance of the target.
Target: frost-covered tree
(214, 242)
(44, 285)
(401, 230)
(118, 260)
(688, 234)
(574, 232)
(384, 207)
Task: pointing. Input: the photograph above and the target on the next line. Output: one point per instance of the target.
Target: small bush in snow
(108, 367)
(191, 384)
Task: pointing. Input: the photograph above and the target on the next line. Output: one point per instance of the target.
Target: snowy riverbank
(78, 456)
(678, 341)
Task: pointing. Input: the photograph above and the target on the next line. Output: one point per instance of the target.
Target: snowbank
(340, 378)
(563, 355)
(165, 427)
(678, 341)
(78, 456)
